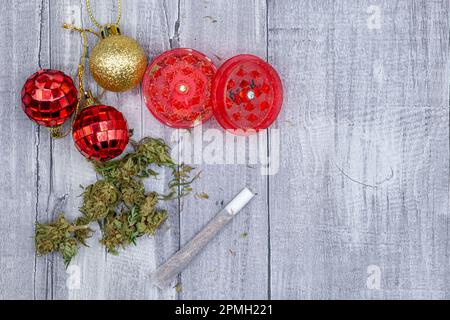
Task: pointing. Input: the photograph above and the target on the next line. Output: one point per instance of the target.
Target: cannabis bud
(61, 236)
(99, 199)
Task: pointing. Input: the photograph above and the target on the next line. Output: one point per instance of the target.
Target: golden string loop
(97, 24)
(57, 132)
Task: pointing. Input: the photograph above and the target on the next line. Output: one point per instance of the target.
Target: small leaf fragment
(244, 235)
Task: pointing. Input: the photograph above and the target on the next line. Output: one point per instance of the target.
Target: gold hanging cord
(56, 132)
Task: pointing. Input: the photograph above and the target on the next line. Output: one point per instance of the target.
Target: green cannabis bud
(61, 236)
(99, 199)
(119, 202)
(122, 229)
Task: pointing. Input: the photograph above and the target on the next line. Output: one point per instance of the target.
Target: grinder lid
(177, 88)
(247, 94)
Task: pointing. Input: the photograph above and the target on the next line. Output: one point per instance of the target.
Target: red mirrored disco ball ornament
(49, 97)
(100, 132)
(177, 88)
(247, 94)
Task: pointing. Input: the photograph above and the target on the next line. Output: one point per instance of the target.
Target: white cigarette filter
(165, 273)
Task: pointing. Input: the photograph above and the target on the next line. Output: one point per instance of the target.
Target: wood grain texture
(104, 276)
(19, 277)
(365, 150)
(363, 181)
(127, 273)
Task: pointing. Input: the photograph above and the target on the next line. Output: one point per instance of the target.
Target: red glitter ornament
(100, 132)
(177, 88)
(247, 94)
(49, 97)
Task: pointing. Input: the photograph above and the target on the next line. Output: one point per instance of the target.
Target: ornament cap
(110, 30)
(89, 99)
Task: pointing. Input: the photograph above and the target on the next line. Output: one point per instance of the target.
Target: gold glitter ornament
(117, 63)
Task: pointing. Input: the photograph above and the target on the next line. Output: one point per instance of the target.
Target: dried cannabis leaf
(148, 151)
(180, 185)
(122, 229)
(118, 202)
(133, 192)
(178, 287)
(61, 236)
(202, 195)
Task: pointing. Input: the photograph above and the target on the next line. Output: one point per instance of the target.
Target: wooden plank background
(363, 180)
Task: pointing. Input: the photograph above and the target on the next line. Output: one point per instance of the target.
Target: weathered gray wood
(104, 276)
(165, 273)
(364, 150)
(148, 22)
(68, 169)
(47, 206)
(20, 141)
(363, 183)
(231, 267)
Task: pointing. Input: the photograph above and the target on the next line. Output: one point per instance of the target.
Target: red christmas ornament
(100, 132)
(247, 94)
(49, 97)
(177, 88)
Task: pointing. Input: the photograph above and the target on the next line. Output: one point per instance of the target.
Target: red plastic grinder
(247, 94)
(177, 88)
